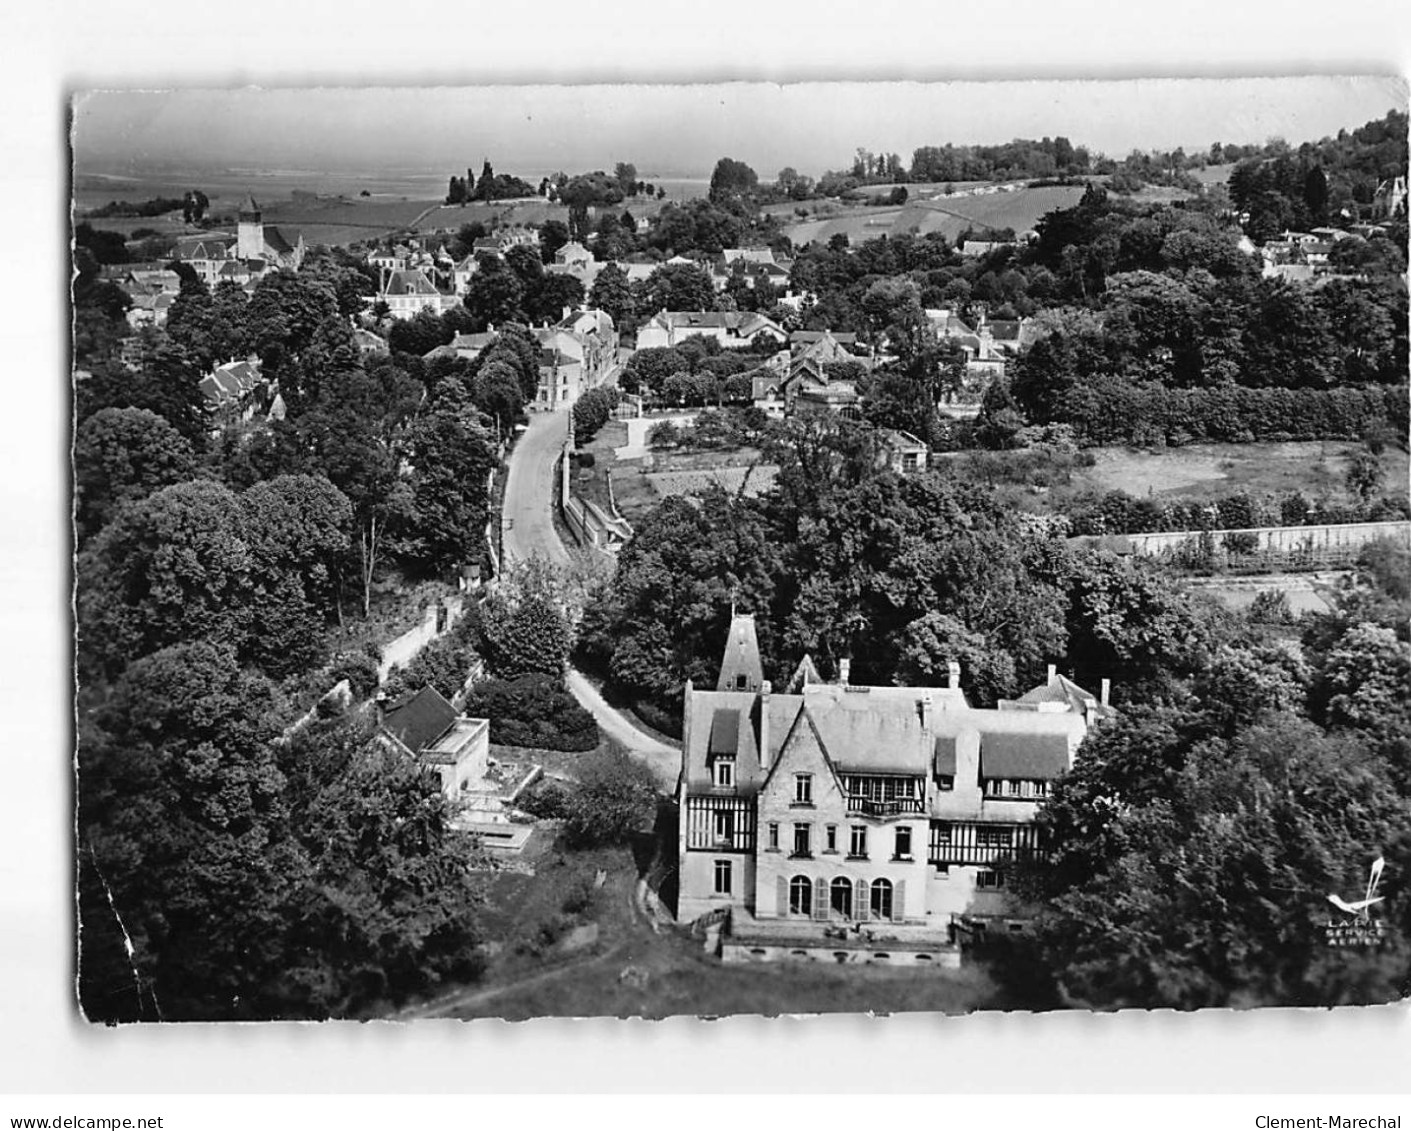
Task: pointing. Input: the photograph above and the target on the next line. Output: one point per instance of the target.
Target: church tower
(250, 233)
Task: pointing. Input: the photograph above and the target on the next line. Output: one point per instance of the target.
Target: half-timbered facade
(830, 807)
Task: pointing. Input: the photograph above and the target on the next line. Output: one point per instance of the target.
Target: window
(840, 897)
(724, 772)
(741, 682)
(857, 844)
(904, 842)
(800, 896)
(881, 899)
(945, 782)
(832, 834)
(1041, 789)
(1015, 787)
(802, 847)
(988, 878)
(774, 835)
(724, 826)
(993, 837)
(722, 877)
(803, 789)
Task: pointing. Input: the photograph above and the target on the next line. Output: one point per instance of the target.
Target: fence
(1258, 549)
(589, 524)
(437, 619)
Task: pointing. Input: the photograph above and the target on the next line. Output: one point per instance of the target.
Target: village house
(732, 329)
(233, 391)
(832, 821)
(578, 352)
(456, 748)
(802, 374)
(410, 291)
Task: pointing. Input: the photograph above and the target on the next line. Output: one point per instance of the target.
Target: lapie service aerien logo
(1358, 927)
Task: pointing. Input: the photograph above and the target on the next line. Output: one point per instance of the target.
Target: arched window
(840, 898)
(800, 896)
(881, 899)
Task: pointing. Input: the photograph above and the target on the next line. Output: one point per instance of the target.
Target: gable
(803, 752)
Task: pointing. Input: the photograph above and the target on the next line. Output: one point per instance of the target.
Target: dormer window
(725, 771)
(742, 682)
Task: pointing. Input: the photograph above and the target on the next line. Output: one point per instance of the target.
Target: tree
(930, 643)
(300, 525)
(591, 412)
(626, 174)
(525, 634)
(451, 456)
(731, 181)
(123, 455)
(175, 566)
(678, 286)
(495, 294)
(616, 799)
(553, 234)
(612, 293)
(181, 817)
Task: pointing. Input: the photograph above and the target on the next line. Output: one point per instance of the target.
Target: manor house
(853, 823)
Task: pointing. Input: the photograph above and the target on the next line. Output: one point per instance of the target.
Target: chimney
(381, 700)
(953, 673)
(844, 669)
(765, 690)
(1106, 692)
(925, 712)
(1052, 672)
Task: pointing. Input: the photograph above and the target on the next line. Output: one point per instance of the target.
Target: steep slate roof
(419, 721)
(275, 239)
(724, 722)
(724, 733)
(410, 283)
(1039, 756)
(741, 657)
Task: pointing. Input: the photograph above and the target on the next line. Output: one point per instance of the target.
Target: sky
(682, 129)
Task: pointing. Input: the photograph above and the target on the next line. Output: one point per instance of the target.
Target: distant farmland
(949, 215)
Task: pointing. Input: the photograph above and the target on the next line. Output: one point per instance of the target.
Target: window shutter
(862, 905)
(820, 899)
(782, 907)
(899, 901)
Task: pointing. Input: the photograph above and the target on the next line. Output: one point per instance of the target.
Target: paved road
(529, 498)
(529, 490)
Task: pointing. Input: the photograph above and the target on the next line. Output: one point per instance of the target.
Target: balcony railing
(870, 807)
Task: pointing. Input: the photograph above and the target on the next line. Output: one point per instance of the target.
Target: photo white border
(72, 45)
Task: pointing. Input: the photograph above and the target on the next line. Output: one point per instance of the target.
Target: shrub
(359, 670)
(535, 710)
(587, 459)
(546, 800)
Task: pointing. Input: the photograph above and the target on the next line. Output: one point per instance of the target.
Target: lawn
(626, 969)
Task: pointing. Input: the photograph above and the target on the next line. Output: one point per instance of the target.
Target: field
(1210, 470)
(1029, 481)
(949, 215)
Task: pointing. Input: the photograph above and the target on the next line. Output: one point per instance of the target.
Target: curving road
(529, 491)
(529, 530)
